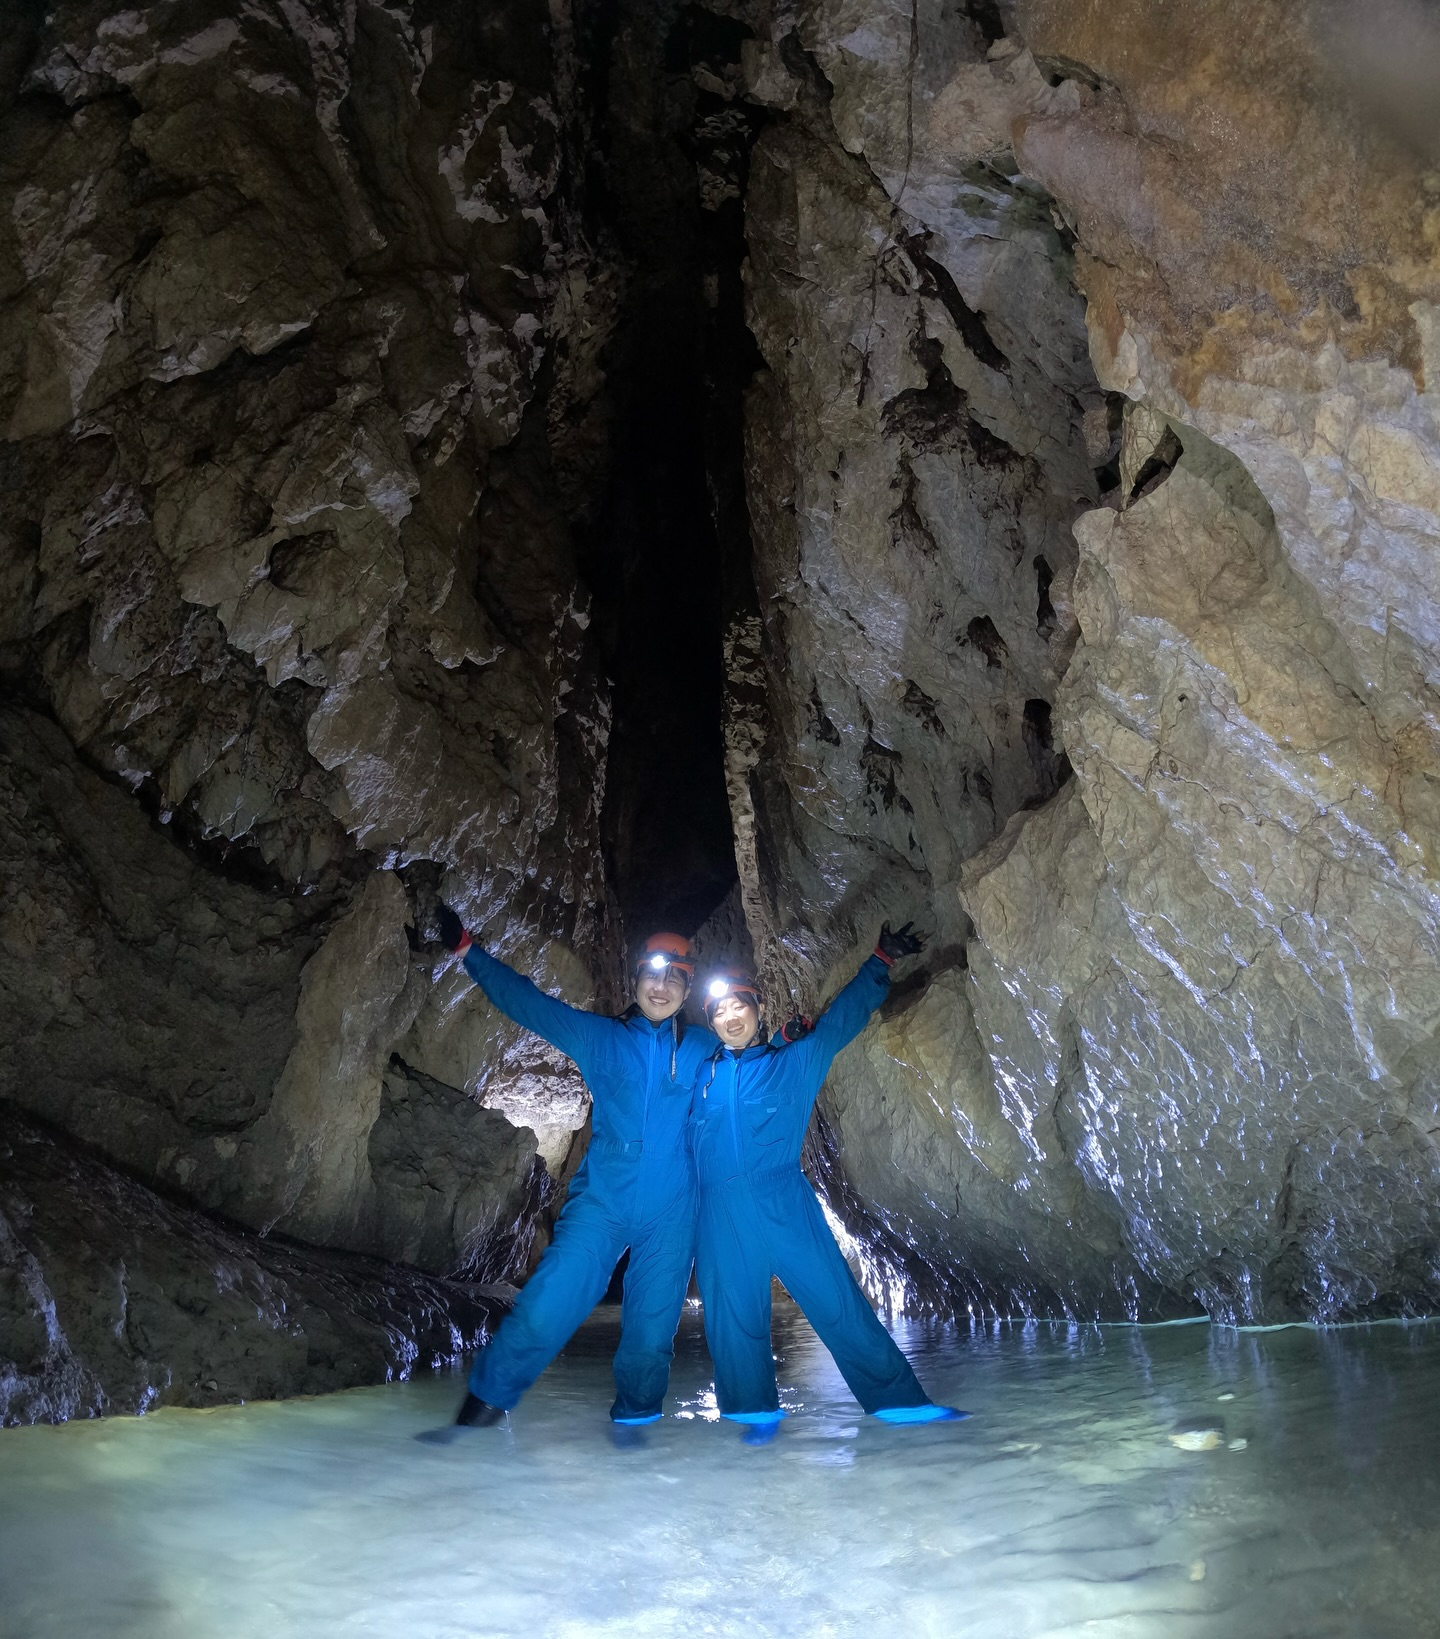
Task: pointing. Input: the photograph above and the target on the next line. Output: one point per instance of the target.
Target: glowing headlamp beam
(659, 962)
(719, 988)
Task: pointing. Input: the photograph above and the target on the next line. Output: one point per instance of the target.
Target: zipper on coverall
(641, 1197)
(735, 1112)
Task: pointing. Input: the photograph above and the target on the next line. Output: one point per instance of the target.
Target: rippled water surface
(1062, 1507)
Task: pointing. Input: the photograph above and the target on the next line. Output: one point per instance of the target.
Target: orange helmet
(730, 981)
(666, 950)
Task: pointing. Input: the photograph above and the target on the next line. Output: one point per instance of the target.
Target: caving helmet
(663, 952)
(730, 981)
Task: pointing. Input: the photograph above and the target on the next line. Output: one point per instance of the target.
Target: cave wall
(298, 358)
(1095, 474)
(1037, 401)
(114, 1299)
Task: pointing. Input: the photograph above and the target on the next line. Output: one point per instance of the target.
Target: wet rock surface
(113, 1299)
(285, 558)
(456, 1184)
(150, 1003)
(298, 356)
(1158, 774)
(992, 448)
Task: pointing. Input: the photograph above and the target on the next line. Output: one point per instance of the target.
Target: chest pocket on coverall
(764, 1116)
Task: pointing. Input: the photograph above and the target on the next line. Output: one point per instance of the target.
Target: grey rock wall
(298, 345)
(113, 1299)
(1173, 1044)
(149, 1003)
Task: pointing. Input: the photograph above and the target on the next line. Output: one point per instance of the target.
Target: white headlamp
(659, 963)
(719, 988)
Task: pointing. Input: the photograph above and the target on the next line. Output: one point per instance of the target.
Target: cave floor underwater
(1114, 1481)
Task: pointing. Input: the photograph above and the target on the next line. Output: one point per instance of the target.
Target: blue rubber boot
(921, 1414)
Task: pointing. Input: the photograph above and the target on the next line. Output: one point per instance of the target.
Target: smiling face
(660, 992)
(736, 1020)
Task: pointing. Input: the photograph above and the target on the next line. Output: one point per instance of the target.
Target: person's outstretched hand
(451, 929)
(902, 942)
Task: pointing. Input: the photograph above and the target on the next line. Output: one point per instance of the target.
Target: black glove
(794, 1029)
(903, 942)
(451, 928)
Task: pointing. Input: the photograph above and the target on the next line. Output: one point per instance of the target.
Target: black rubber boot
(476, 1413)
(473, 1413)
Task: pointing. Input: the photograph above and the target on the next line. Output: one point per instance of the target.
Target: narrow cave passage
(664, 189)
(540, 469)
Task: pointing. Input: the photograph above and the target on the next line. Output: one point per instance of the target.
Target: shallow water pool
(1063, 1507)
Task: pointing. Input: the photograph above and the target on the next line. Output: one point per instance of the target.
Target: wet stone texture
(1095, 477)
(1077, 570)
(115, 1300)
(298, 353)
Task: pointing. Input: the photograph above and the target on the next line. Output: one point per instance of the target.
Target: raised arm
(571, 1029)
(850, 1012)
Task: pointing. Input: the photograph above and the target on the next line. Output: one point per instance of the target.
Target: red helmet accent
(674, 947)
(731, 981)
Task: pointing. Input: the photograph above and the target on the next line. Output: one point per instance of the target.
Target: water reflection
(1064, 1507)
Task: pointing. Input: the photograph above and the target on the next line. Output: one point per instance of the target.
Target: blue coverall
(759, 1217)
(635, 1188)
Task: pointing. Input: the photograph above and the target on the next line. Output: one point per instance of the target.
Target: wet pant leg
(732, 1266)
(656, 1280)
(567, 1284)
(814, 1272)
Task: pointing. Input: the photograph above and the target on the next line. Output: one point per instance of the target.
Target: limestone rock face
(149, 1003)
(912, 488)
(453, 1180)
(1237, 865)
(213, 1034)
(1174, 1041)
(113, 1299)
(284, 553)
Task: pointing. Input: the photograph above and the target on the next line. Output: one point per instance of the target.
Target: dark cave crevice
(666, 172)
(1158, 467)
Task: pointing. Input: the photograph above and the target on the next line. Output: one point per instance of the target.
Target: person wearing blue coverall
(758, 1213)
(635, 1187)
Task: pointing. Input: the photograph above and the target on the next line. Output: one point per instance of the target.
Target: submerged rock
(1192, 1434)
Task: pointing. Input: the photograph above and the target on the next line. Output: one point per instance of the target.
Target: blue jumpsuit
(635, 1188)
(759, 1217)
